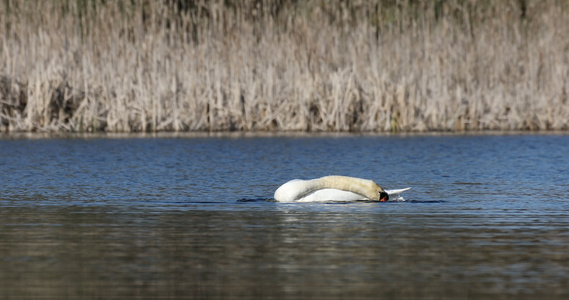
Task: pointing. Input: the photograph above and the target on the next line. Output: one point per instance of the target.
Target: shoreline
(261, 134)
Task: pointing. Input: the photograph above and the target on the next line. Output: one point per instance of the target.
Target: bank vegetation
(283, 65)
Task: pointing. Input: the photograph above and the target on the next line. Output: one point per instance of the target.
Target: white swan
(339, 188)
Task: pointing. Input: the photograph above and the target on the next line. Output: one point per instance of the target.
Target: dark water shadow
(246, 200)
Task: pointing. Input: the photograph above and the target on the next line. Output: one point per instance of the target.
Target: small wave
(397, 200)
(199, 202)
(427, 201)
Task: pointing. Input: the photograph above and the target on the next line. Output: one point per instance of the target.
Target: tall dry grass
(124, 66)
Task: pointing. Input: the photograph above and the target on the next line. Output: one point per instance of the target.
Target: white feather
(298, 190)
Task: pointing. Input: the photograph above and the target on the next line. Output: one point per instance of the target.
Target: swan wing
(395, 195)
(394, 192)
(290, 191)
(331, 195)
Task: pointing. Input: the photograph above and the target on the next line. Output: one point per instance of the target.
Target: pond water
(145, 218)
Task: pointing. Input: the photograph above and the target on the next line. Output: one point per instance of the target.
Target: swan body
(335, 188)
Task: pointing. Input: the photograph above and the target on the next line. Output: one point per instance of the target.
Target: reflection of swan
(340, 188)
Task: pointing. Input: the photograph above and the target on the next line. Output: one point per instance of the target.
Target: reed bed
(374, 66)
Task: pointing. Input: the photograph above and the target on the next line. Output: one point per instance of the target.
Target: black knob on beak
(383, 196)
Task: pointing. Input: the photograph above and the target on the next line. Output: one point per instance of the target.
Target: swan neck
(364, 187)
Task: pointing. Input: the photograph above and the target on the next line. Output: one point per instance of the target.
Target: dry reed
(132, 66)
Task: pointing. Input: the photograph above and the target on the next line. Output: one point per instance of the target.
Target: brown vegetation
(131, 66)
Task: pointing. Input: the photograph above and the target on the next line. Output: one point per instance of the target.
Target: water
(487, 218)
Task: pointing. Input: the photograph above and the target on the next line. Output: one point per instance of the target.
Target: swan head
(383, 196)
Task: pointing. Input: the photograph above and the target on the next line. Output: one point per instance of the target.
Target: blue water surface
(94, 217)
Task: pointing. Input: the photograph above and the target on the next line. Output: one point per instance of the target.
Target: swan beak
(383, 196)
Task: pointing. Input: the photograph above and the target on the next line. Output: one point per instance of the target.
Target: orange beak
(383, 197)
